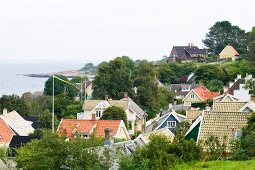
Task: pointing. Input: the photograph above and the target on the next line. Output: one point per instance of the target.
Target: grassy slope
(219, 165)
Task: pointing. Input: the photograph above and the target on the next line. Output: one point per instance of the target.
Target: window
(1, 137)
(192, 96)
(237, 134)
(98, 113)
(171, 124)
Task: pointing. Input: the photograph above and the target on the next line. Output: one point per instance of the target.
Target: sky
(74, 31)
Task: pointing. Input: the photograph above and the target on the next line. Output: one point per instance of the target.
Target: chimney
(5, 112)
(106, 97)
(93, 116)
(125, 95)
(108, 137)
(207, 107)
(189, 45)
(170, 107)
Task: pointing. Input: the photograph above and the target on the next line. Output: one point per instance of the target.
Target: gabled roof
(69, 127)
(203, 93)
(194, 124)
(227, 106)
(225, 98)
(236, 85)
(232, 49)
(250, 106)
(177, 88)
(188, 50)
(6, 133)
(19, 125)
(221, 124)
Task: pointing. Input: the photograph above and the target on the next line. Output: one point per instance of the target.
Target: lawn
(219, 165)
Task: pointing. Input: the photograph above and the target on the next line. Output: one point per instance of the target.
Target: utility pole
(53, 103)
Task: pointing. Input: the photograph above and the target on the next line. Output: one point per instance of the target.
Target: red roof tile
(5, 132)
(204, 93)
(70, 126)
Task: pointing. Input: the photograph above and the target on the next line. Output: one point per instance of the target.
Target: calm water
(12, 82)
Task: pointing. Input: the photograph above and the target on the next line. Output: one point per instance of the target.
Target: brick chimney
(106, 97)
(108, 137)
(93, 116)
(125, 95)
(5, 112)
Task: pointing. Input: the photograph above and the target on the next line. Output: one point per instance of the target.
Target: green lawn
(219, 165)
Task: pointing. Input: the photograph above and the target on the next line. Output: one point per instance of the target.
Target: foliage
(206, 73)
(53, 152)
(45, 120)
(251, 45)
(13, 102)
(115, 113)
(216, 150)
(113, 78)
(59, 87)
(215, 85)
(223, 33)
(3, 153)
(160, 153)
(71, 110)
(78, 79)
(246, 143)
(202, 105)
(183, 128)
(89, 67)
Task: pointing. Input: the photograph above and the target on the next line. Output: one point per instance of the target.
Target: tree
(115, 113)
(250, 84)
(223, 33)
(53, 152)
(45, 120)
(79, 79)
(113, 79)
(251, 45)
(205, 73)
(13, 102)
(215, 85)
(60, 87)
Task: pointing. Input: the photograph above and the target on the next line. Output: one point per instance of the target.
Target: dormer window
(192, 96)
(98, 113)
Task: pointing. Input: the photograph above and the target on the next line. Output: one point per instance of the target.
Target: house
(198, 95)
(186, 53)
(74, 128)
(135, 115)
(170, 120)
(237, 88)
(181, 90)
(87, 89)
(6, 133)
(225, 120)
(229, 52)
(20, 126)
(225, 98)
(193, 114)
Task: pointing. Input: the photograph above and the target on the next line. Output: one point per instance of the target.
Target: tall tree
(59, 87)
(224, 33)
(13, 102)
(114, 78)
(251, 45)
(115, 113)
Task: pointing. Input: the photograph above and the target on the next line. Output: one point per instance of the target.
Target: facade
(20, 126)
(186, 53)
(229, 52)
(237, 88)
(199, 94)
(170, 120)
(181, 90)
(135, 115)
(73, 128)
(6, 134)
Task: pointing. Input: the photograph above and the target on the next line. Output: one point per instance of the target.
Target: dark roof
(18, 141)
(236, 85)
(184, 52)
(177, 88)
(34, 119)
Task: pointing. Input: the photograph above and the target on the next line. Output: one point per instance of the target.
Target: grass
(218, 165)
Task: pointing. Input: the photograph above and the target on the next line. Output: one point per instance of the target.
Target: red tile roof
(233, 50)
(69, 126)
(5, 132)
(205, 94)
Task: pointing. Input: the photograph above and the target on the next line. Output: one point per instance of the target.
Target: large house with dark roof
(181, 90)
(135, 115)
(186, 53)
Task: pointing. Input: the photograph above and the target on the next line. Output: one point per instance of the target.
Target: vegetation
(223, 33)
(13, 102)
(215, 85)
(115, 113)
(53, 152)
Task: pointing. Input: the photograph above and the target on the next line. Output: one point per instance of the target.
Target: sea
(13, 82)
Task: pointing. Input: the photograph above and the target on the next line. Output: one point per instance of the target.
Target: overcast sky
(93, 31)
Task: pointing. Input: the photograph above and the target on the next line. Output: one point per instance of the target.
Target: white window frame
(98, 113)
(171, 124)
(192, 96)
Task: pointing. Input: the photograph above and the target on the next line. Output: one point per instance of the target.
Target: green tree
(53, 152)
(166, 74)
(13, 102)
(79, 79)
(60, 87)
(251, 45)
(113, 79)
(223, 33)
(71, 110)
(215, 85)
(115, 113)
(45, 120)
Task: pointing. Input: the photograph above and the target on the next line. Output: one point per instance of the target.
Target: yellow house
(229, 52)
